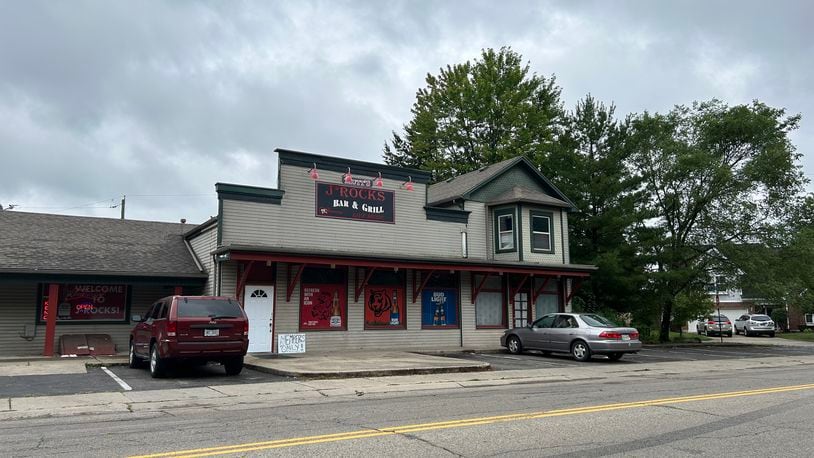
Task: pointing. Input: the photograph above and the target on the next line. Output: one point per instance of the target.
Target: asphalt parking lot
(97, 380)
(536, 360)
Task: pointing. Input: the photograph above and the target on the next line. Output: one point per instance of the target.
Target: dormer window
(505, 235)
(542, 232)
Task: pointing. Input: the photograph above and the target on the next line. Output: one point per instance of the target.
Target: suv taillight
(710, 322)
(172, 328)
(246, 327)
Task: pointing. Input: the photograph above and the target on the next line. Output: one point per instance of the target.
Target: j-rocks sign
(353, 202)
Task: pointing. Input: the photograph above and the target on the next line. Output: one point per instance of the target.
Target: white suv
(751, 325)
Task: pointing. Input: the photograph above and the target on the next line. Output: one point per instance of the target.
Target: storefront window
(490, 311)
(85, 303)
(548, 299)
(323, 299)
(439, 302)
(385, 300)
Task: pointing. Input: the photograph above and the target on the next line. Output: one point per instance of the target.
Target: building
(102, 270)
(357, 255)
(341, 255)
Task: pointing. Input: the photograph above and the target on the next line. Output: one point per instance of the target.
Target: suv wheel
(132, 359)
(233, 366)
(156, 363)
(580, 351)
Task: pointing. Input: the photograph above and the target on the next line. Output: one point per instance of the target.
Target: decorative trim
(228, 191)
(338, 164)
(447, 215)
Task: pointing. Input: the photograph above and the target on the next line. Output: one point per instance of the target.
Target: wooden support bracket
(477, 289)
(519, 287)
(424, 281)
(574, 290)
(360, 288)
(241, 282)
(293, 281)
(540, 290)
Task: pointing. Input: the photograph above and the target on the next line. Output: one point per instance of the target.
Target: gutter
(194, 256)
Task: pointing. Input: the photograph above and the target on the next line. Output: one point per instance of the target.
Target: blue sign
(439, 308)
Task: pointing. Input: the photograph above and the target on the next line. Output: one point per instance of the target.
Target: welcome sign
(355, 203)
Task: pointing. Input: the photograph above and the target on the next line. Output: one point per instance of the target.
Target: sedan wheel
(580, 351)
(514, 345)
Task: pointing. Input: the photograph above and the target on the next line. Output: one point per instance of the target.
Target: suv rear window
(760, 318)
(219, 308)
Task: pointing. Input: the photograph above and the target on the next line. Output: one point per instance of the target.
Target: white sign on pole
(290, 343)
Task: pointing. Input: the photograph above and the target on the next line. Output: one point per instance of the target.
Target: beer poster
(439, 308)
(384, 307)
(86, 303)
(323, 308)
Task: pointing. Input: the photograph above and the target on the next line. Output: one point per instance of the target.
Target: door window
(565, 321)
(545, 322)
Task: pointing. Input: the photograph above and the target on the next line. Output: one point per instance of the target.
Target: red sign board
(84, 303)
(323, 307)
(354, 202)
(384, 307)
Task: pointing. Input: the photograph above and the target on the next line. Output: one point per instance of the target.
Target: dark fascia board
(338, 164)
(200, 228)
(103, 278)
(535, 172)
(449, 215)
(228, 191)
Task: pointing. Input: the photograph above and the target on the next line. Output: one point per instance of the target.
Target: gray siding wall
(18, 304)
(565, 240)
(478, 230)
(203, 245)
(511, 178)
(228, 279)
(293, 224)
(525, 232)
(356, 337)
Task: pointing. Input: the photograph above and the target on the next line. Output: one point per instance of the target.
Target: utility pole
(123, 199)
(718, 306)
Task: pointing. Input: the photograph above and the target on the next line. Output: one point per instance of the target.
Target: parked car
(581, 334)
(754, 325)
(190, 329)
(714, 325)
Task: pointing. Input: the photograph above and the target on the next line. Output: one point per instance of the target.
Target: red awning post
(179, 291)
(51, 323)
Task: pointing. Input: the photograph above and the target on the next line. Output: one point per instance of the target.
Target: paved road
(639, 417)
(535, 360)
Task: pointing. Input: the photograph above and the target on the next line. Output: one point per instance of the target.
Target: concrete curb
(364, 373)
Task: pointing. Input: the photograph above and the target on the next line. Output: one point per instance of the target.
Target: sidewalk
(251, 396)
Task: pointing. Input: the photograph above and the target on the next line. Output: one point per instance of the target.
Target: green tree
(711, 174)
(589, 167)
(478, 113)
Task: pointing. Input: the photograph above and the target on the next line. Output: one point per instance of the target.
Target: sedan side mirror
(136, 318)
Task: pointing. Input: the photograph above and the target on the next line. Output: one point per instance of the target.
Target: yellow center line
(367, 433)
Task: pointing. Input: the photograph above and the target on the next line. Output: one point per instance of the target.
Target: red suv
(191, 328)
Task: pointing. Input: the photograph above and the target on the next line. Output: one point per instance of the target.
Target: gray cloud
(99, 99)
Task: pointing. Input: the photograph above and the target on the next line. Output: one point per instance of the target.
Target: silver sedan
(581, 334)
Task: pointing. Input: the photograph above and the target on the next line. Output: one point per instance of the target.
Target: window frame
(503, 306)
(541, 214)
(497, 213)
(400, 285)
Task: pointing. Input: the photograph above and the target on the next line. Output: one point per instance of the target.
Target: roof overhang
(57, 276)
(247, 253)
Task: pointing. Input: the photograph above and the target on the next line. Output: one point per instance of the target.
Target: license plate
(625, 337)
(211, 332)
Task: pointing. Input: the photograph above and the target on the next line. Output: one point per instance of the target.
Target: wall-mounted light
(464, 245)
(408, 185)
(313, 172)
(379, 182)
(348, 178)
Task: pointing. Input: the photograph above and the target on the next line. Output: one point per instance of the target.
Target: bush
(779, 316)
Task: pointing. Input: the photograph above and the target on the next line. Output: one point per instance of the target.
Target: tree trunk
(666, 318)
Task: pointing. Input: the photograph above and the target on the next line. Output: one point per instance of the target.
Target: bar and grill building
(340, 255)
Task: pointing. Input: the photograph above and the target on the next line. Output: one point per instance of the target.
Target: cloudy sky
(161, 100)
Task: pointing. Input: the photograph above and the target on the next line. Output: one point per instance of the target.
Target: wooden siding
(525, 232)
(477, 233)
(287, 316)
(18, 303)
(517, 176)
(204, 244)
(292, 224)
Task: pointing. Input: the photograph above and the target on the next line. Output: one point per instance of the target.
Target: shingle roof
(36, 242)
(518, 194)
(458, 186)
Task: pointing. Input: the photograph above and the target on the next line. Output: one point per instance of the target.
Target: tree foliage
(478, 113)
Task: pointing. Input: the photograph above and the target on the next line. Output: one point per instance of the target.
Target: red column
(179, 290)
(51, 324)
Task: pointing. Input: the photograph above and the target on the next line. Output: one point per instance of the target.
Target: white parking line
(115, 377)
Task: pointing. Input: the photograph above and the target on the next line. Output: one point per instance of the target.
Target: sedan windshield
(598, 321)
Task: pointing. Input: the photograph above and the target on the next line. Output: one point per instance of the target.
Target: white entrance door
(258, 303)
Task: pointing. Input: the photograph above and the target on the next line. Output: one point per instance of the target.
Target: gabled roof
(463, 186)
(34, 243)
(518, 194)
